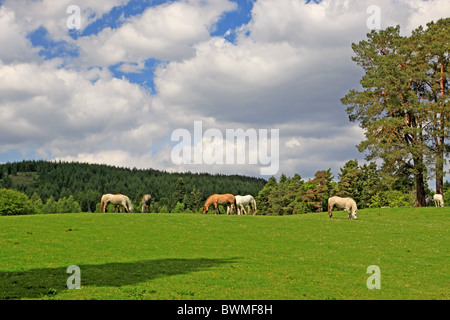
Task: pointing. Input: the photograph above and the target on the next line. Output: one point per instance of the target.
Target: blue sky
(114, 91)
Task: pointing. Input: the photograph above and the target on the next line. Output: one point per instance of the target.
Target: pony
(220, 199)
(438, 200)
(115, 199)
(146, 200)
(247, 200)
(347, 203)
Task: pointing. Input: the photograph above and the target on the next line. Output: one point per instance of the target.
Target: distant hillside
(87, 182)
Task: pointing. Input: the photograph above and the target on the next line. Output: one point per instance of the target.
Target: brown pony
(220, 199)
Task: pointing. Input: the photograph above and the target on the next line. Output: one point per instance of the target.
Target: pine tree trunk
(420, 186)
(441, 141)
(440, 168)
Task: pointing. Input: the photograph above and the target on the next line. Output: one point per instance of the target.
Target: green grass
(193, 256)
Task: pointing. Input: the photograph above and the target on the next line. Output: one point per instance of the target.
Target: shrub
(13, 202)
(390, 198)
(68, 205)
(396, 199)
(447, 198)
(179, 208)
(376, 201)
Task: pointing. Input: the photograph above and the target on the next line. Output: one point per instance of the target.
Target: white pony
(347, 203)
(115, 199)
(247, 200)
(438, 200)
(146, 201)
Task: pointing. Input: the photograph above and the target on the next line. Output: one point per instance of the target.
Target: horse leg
(330, 209)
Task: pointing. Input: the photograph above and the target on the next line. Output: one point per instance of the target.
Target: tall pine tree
(390, 108)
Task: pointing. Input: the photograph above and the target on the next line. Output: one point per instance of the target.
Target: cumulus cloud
(52, 15)
(165, 32)
(65, 111)
(15, 45)
(286, 69)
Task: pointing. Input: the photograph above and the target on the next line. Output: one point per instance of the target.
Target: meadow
(193, 256)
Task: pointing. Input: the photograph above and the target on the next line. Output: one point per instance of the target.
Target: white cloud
(15, 46)
(164, 32)
(287, 70)
(68, 112)
(52, 15)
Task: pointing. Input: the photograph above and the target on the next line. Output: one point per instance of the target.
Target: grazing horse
(248, 201)
(438, 200)
(146, 200)
(116, 200)
(220, 199)
(347, 203)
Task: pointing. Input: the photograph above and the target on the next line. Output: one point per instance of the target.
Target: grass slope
(193, 256)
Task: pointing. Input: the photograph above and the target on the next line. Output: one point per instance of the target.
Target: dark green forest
(44, 180)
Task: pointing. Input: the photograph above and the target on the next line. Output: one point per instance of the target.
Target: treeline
(60, 187)
(368, 185)
(58, 181)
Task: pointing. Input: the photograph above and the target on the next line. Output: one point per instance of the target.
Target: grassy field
(194, 256)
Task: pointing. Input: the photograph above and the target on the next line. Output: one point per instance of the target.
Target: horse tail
(254, 206)
(330, 207)
(102, 206)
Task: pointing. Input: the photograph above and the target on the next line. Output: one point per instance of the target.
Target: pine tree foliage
(403, 106)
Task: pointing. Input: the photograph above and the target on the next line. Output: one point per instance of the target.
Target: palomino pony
(220, 199)
(347, 203)
(248, 201)
(438, 200)
(146, 200)
(116, 200)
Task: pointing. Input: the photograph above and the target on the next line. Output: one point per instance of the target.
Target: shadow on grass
(40, 282)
